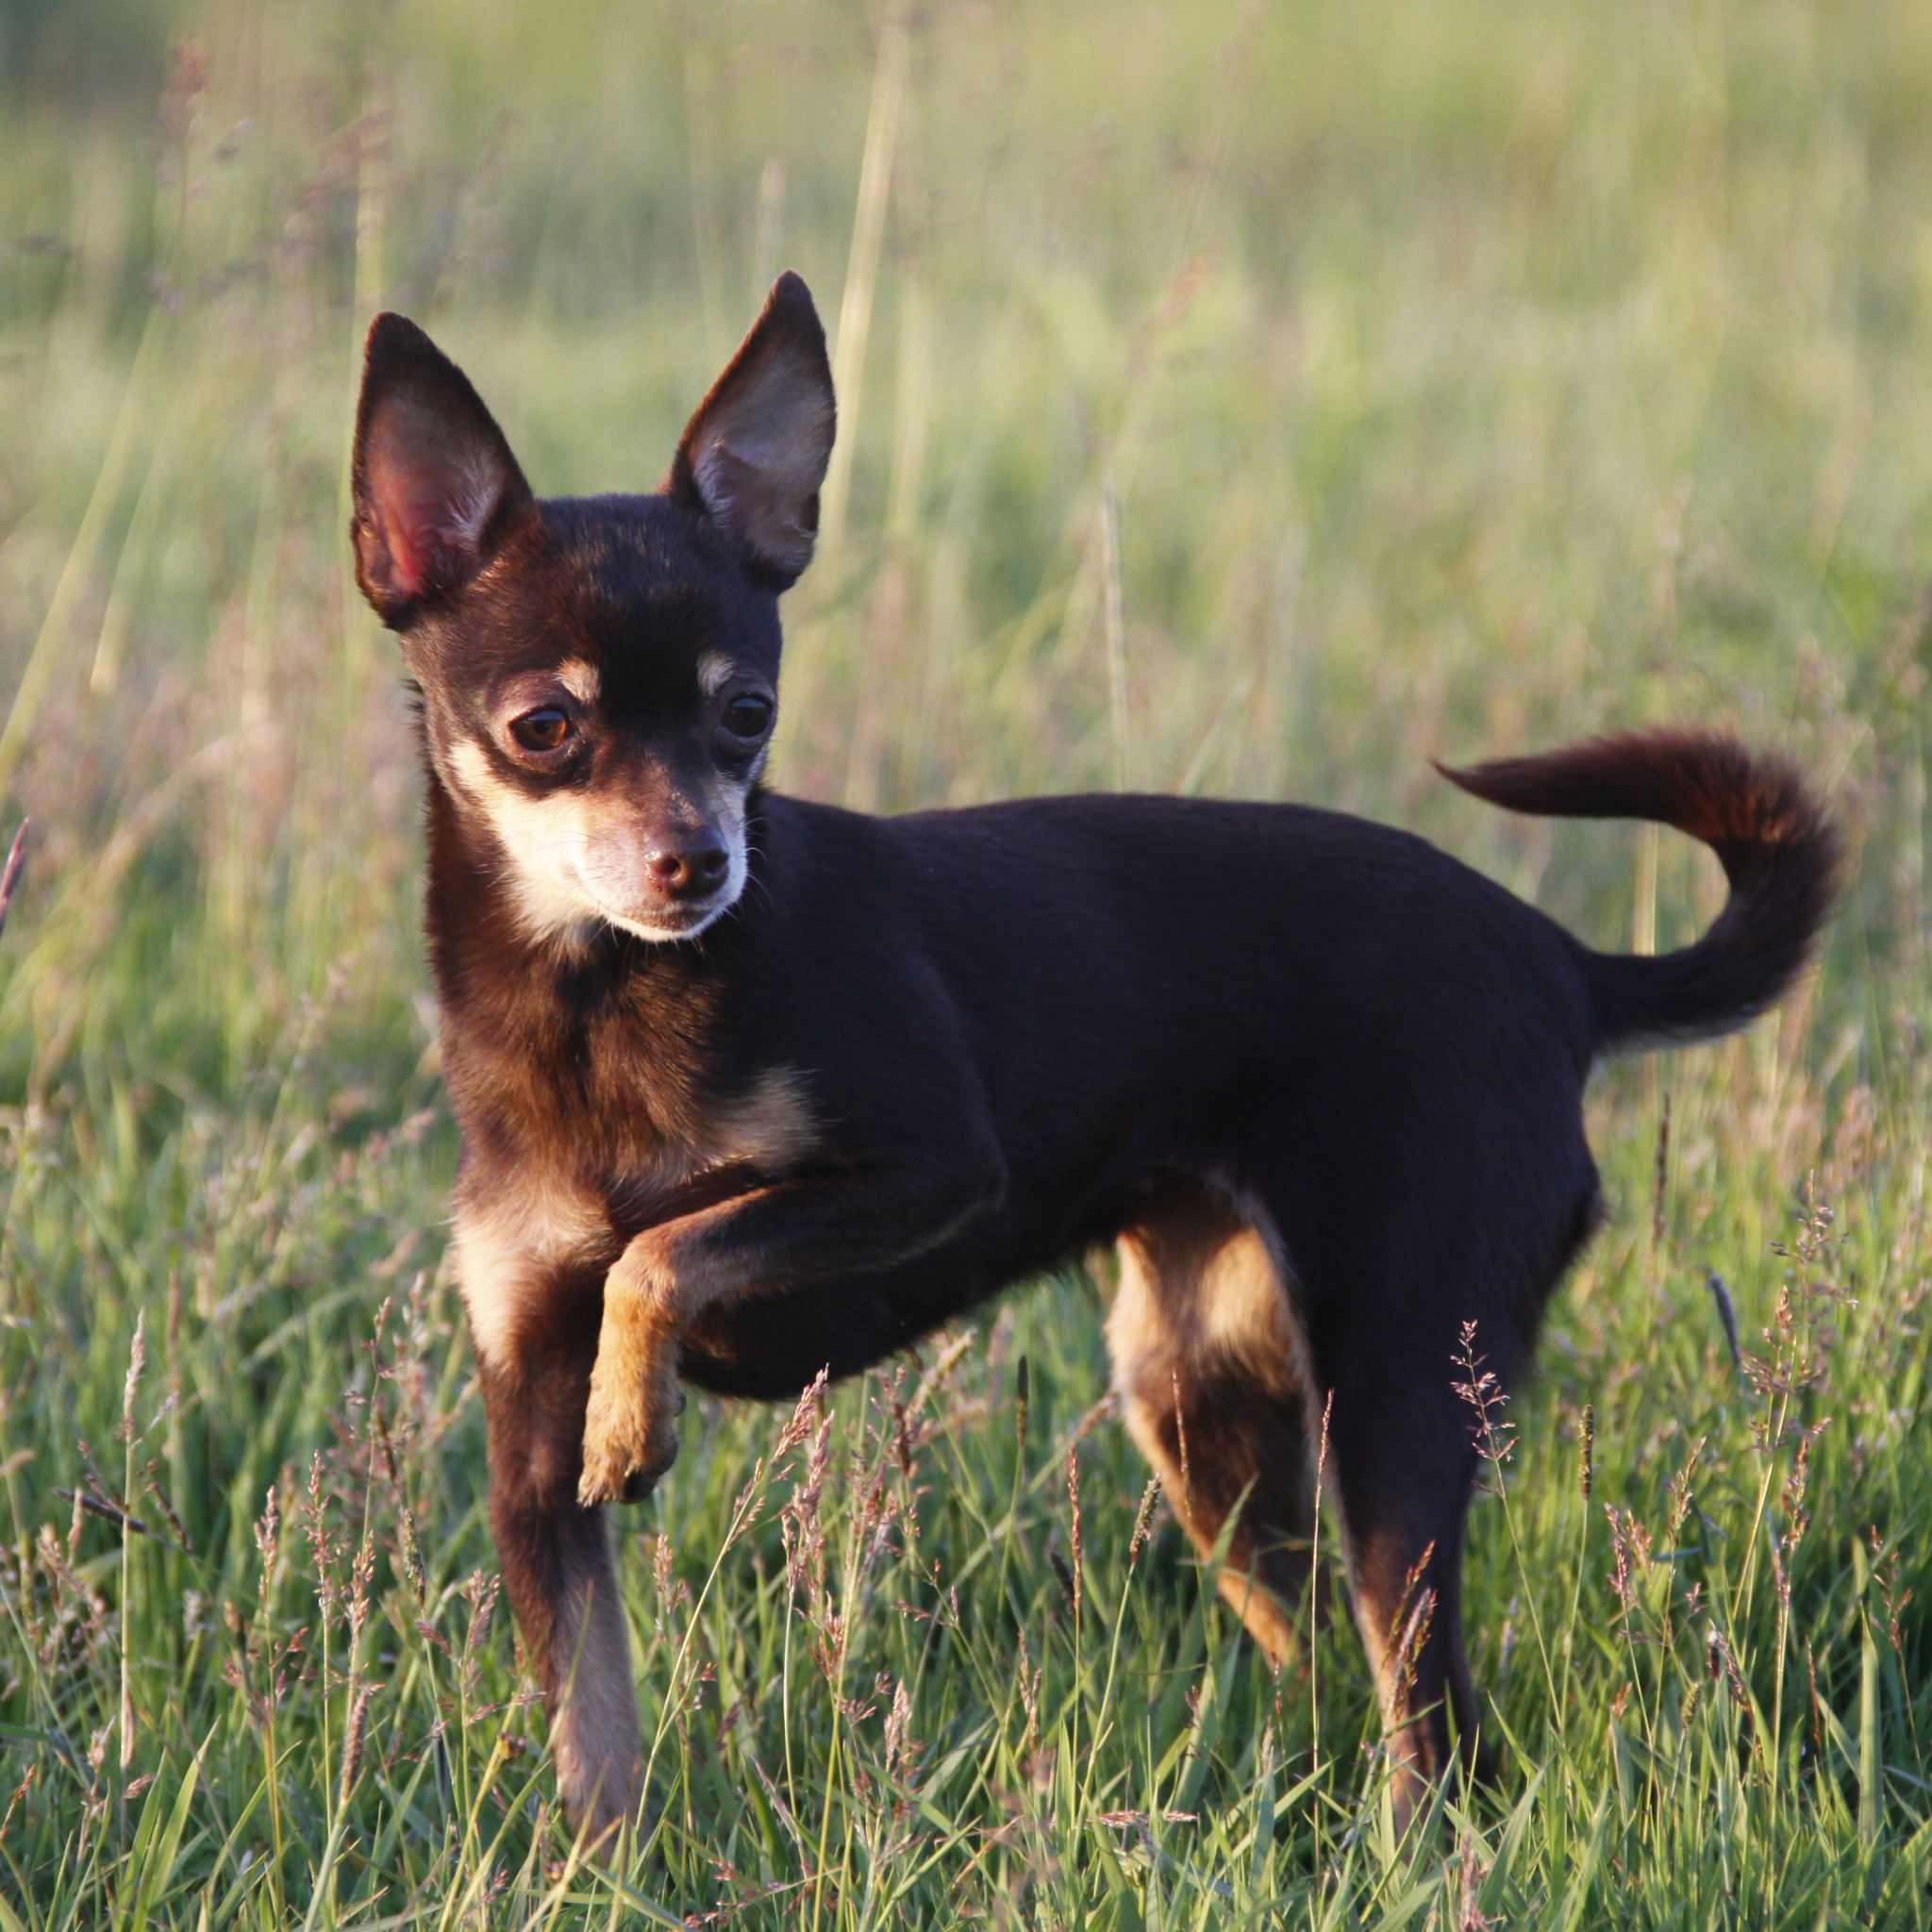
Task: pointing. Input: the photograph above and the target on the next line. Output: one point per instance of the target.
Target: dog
(751, 1088)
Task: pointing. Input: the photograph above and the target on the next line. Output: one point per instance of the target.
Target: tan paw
(630, 1440)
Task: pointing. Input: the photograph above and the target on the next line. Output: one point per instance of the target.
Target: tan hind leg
(1207, 1357)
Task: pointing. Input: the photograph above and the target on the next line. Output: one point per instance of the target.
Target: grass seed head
(137, 1362)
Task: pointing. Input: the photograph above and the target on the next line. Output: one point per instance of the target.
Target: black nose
(688, 872)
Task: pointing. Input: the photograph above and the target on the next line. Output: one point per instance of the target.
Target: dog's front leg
(769, 1239)
(630, 1426)
(556, 1564)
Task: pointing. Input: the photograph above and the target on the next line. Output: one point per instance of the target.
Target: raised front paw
(630, 1438)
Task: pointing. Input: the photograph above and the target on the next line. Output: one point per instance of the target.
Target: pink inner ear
(431, 505)
(405, 501)
(415, 535)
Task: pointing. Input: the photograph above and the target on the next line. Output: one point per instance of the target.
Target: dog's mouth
(684, 921)
(568, 887)
(657, 888)
(667, 919)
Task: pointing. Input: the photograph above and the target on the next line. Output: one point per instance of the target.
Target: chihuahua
(753, 1088)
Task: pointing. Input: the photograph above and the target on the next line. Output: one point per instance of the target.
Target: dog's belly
(772, 1344)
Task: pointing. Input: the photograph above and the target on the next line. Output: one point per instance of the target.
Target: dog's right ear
(436, 489)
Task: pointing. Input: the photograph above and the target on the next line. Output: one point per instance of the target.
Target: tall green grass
(1261, 397)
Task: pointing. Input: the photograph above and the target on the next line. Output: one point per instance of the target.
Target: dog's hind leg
(1397, 1295)
(1403, 1464)
(1205, 1357)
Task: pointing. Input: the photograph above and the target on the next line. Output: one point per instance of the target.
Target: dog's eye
(541, 730)
(747, 716)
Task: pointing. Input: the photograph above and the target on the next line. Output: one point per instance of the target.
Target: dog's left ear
(755, 453)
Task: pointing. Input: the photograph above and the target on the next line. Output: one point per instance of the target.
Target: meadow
(1261, 397)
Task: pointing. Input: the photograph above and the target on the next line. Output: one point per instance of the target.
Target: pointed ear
(437, 490)
(754, 455)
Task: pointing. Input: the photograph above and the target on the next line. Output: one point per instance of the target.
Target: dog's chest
(718, 1147)
(548, 1211)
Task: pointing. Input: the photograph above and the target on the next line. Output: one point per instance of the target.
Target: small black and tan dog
(751, 1087)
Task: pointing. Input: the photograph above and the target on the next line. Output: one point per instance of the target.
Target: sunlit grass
(1249, 398)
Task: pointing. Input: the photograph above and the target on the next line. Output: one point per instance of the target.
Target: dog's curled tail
(1779, 848)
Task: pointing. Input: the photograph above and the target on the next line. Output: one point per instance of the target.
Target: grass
(1257, 398)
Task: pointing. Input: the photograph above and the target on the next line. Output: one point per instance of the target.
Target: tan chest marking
(768, 1127)
(771, 1126)
(509, 1248)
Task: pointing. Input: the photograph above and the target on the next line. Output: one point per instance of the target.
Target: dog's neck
(539, 1032)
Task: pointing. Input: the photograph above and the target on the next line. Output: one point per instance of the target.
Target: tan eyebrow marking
(579, 678)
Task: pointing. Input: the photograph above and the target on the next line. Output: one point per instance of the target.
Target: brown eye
(747, 716)
(541, 730)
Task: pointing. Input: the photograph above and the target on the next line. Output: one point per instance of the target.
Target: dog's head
(599, 674)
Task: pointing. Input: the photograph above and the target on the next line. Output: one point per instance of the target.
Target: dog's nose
(687, 871)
